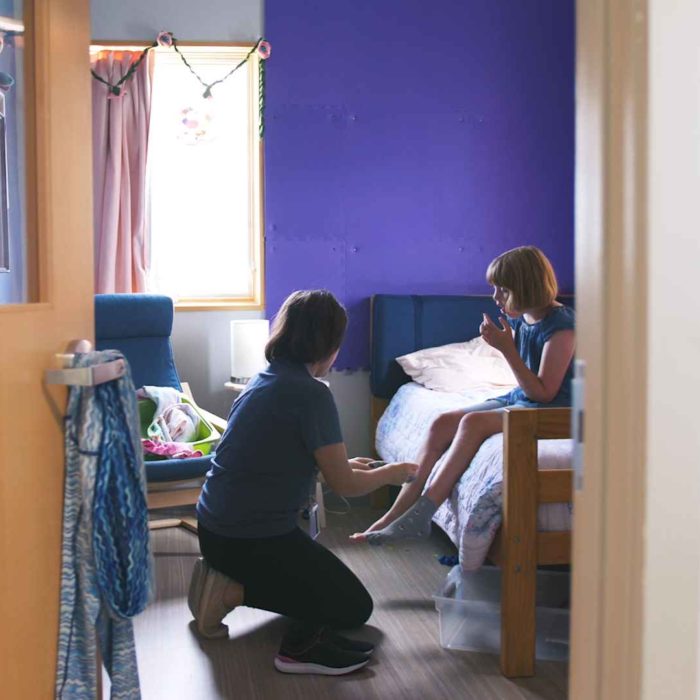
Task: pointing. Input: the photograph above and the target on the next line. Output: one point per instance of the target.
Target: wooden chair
(140, 325)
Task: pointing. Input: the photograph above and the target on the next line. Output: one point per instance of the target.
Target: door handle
(578, 390)
(83, 376)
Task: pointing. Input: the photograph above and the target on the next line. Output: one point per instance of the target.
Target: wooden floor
(409, 662)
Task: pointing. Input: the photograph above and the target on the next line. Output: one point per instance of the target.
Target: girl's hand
(399, 473)
(499, 338)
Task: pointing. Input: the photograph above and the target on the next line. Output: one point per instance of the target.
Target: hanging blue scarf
(107, 571)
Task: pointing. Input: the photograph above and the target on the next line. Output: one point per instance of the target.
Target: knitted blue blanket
(107, 570)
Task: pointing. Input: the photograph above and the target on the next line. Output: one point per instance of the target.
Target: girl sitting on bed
(536, 337)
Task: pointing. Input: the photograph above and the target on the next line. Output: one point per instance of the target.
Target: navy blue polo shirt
(264, 466)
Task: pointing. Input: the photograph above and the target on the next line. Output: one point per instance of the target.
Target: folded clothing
(173, 420)
(169, 417)
(177, 423)
(169, 450)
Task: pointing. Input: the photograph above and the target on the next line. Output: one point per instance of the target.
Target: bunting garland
(261, 97)
(168, 40)
(115, 89)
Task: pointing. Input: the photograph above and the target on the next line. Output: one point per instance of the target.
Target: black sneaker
(323, 658)
(347, 644)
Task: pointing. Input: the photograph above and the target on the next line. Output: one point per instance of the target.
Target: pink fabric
(174, 450)
(120, 144)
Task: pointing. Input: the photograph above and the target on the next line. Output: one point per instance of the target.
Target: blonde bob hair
(528, 276)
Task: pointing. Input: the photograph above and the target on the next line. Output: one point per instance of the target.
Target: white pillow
(459, 367)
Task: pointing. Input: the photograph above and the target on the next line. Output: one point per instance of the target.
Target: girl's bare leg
(473, 430)
(414, 522)
(442, 432)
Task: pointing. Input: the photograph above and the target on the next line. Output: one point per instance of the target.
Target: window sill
(216, 305)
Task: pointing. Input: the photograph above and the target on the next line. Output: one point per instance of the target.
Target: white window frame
(256, 222)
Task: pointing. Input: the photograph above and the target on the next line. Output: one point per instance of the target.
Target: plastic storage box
(469, 607)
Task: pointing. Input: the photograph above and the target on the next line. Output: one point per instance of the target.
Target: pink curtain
(120, 144)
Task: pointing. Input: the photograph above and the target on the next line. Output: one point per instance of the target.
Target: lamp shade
(248, 340)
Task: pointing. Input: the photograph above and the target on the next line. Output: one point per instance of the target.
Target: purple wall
(409, 142)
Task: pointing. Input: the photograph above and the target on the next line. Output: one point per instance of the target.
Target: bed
(513, 504)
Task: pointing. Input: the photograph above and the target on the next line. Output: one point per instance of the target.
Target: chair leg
(164, 523)
(189, 524)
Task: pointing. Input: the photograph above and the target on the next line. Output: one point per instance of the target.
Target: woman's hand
(361, 462)
(399, 473)
(499, 338)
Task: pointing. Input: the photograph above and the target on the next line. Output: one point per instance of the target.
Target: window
(205, 180)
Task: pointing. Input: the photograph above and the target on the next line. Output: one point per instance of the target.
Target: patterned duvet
(472, 515)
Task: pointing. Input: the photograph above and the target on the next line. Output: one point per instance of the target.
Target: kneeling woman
(280, 430)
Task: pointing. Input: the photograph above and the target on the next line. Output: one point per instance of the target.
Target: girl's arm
(557, 354)
(345, 480)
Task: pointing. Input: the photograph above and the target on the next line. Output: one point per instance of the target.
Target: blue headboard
(400, 324)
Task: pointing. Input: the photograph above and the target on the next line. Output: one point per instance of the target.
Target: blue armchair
(139, 325)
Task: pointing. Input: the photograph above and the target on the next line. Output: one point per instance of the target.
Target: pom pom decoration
(165, 39)
(264, 49)
(6, 81)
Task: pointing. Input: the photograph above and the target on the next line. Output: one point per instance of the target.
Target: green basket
(207, 435)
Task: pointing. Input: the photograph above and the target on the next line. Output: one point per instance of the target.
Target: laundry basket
(205, 440)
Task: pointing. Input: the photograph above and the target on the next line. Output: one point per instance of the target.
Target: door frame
(611, 290)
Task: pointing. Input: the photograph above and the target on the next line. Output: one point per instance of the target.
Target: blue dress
(530, 340)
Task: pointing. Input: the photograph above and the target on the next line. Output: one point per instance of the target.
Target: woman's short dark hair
(309, 327)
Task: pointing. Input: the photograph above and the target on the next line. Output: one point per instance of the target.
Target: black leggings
(292, 575)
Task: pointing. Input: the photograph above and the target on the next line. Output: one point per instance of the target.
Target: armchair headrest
(133, 316)
(139, 325)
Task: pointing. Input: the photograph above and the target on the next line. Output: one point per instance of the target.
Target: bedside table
(234, 387)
